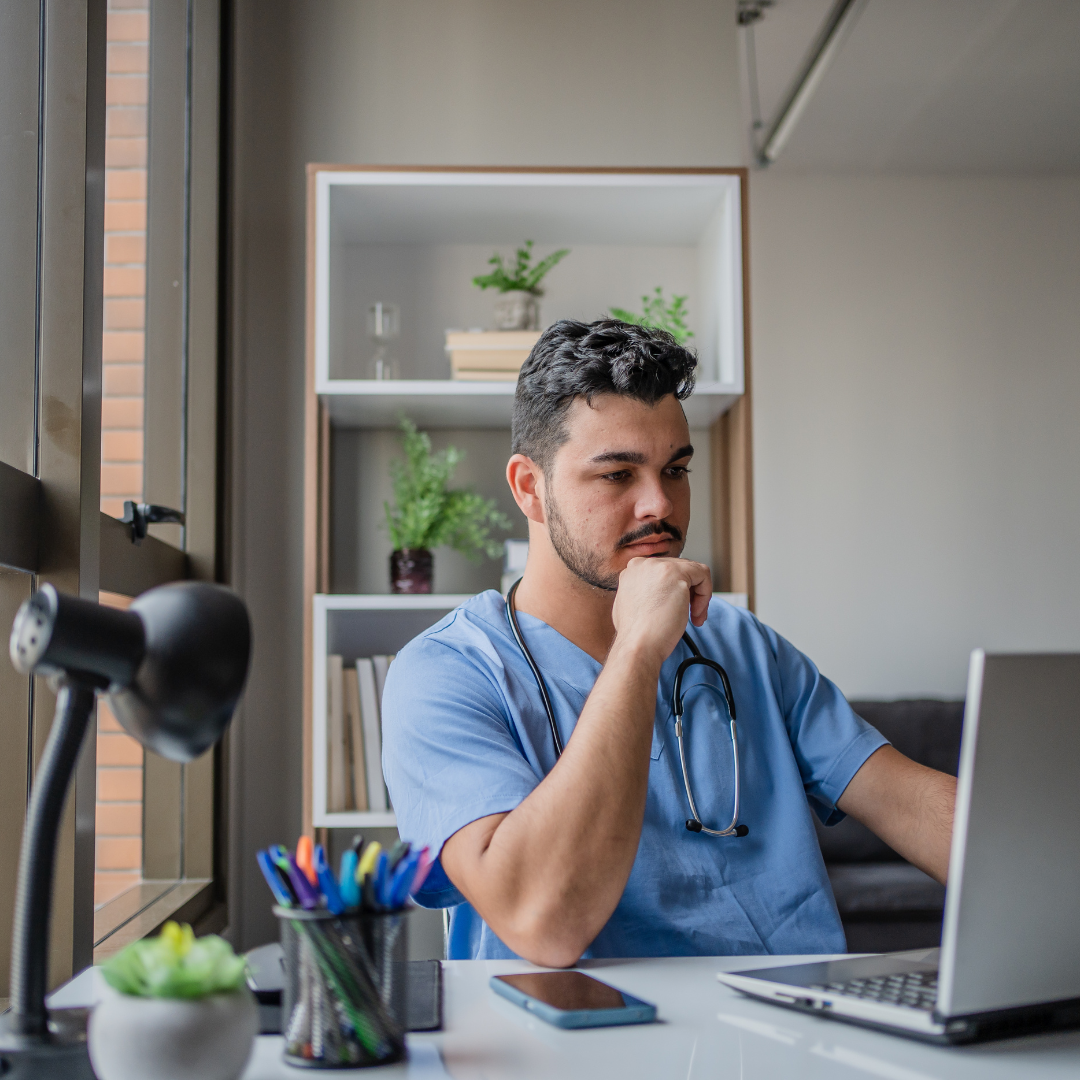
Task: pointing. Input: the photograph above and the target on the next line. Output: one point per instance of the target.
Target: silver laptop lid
(1012, 911)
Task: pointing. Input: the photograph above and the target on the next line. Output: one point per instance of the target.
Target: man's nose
(652, 501)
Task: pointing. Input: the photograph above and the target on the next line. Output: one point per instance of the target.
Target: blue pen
(327, 882)
(382, 880)
(402, 879)
(279, 857)
(269, 871)
(347, 884)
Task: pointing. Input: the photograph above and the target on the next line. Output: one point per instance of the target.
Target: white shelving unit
(415, 237)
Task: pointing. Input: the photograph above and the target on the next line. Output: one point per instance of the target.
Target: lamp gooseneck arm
(33, 898)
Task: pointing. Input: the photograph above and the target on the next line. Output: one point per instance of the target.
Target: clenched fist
(653, 600)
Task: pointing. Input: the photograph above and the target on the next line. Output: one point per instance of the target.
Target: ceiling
(929, 86)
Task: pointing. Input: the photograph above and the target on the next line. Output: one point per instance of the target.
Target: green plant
(426, 514)
(660, 315)
(521, 275)
(175, 964)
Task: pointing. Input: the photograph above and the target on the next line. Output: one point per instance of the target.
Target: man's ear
(527, 485)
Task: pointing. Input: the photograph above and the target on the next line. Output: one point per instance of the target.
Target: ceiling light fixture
(827, 44)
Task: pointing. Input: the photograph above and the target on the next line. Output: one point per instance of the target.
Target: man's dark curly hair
(576, 359)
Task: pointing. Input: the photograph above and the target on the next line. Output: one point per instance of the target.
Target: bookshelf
(414, 237)
(352, 627)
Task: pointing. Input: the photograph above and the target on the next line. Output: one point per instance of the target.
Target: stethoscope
(693, 824)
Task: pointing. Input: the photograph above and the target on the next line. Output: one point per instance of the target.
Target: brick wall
(125, 254)
(120, 757)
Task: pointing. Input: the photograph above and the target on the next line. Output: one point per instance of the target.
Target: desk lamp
(173, 667)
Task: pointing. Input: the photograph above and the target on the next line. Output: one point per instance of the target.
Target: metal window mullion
(72, 210)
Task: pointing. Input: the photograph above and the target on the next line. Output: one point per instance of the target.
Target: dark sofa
(885, 902)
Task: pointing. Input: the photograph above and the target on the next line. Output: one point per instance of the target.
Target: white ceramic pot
(135, 1038)
(517, 310)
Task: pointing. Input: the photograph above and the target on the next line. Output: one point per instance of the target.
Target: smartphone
(571, 999)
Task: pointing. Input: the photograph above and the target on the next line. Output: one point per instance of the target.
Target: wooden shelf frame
(730, 432)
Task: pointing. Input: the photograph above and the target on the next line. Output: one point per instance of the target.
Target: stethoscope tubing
(511, 614)
(694, 824)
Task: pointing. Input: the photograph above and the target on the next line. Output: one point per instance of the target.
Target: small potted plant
(519, 287)
(660, 315)
(427, 514)
(175, 1008)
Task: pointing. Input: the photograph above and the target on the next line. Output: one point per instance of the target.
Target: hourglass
(383, 325)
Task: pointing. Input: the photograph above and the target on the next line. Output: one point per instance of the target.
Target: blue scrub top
(465, 735)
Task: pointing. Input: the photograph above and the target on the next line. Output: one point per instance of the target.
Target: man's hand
(652, 601)
(908, 805)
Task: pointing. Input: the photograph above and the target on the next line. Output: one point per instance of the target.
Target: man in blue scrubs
(587, 854)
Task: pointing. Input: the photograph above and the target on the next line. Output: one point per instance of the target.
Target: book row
(354, 733)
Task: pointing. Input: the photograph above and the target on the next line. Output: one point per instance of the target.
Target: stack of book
(354, 734)
(489, 355)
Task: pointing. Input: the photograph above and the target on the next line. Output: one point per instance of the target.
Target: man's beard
(587, 564)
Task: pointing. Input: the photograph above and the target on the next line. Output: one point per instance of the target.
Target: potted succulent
(519, 287)
(427, 514)
(660, 315)
(175, 1008)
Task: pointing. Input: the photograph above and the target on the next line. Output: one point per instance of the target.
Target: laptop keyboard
(915, 990)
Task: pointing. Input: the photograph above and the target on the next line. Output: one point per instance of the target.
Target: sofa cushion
(927, 731)
(864, 888)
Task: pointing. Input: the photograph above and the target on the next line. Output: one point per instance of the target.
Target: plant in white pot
(174, 1008)
(519, 289)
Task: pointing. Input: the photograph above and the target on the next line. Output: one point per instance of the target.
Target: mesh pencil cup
(343, 1005)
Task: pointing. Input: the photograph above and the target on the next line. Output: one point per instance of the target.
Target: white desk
(705, 1031)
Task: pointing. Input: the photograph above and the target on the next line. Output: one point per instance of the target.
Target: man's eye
(622, 474)
(678, 471)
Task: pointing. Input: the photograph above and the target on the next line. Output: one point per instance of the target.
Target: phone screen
(570, 991)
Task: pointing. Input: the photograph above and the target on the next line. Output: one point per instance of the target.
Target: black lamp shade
(197, 648)
(174, 664)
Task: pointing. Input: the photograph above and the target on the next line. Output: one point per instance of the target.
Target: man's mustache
(653, 529)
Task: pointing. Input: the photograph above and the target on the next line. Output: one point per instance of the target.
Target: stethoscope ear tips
(742, 830)
(693, 825)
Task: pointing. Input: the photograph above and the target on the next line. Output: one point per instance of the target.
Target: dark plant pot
(411, 570)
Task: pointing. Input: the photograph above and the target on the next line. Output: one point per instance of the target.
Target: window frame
(51, 526)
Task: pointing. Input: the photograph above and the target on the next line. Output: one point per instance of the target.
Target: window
(106, 400)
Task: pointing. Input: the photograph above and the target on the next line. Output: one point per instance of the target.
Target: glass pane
(18, 230)
(119, 817)
(127, 89)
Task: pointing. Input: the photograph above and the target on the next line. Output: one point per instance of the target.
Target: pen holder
(343, 1005)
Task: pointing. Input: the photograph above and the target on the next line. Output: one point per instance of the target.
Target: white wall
(564, 82)
(916, 421)
(481, 82)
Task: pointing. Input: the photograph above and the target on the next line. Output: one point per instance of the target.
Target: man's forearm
(908, 805)
(552, 871)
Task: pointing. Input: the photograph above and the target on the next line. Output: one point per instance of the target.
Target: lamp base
(61, 1056)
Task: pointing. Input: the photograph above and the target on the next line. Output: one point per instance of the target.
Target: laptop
(1009, 961)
